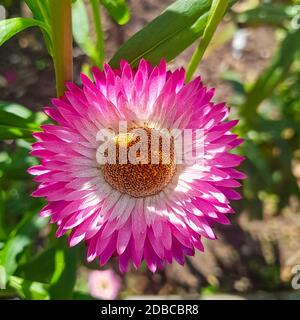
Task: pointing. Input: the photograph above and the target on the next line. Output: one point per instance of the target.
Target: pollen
(145, 163)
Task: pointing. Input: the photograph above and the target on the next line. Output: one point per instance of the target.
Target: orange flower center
(150, 162)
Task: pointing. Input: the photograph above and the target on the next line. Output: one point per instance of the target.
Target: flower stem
(217, 11)
(99, 32)
(61, 27)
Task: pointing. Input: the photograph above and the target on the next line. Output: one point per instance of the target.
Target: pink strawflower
(104, 284)
(128, 210)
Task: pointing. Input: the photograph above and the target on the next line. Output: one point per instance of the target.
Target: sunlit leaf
(40, 268)
(30, 290)
(118, 10)
(64, 276)
(11, 27)
(40, 11)
(77, 295)
(275, 14)
(15, 122)
(273, 75)
(169, 34)
(20, 238)
(81, 30)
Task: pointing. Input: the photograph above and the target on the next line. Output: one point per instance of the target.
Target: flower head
(104, 284)
(137, 210)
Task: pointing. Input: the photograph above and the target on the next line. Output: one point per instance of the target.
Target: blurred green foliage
(272, 142)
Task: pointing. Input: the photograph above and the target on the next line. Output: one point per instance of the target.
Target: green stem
(217, 11)
(61, 27)
(99, 32)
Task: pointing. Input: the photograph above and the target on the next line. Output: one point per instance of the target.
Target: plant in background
(104, 284)
(271, 144)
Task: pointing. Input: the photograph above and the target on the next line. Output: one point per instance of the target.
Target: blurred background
(254, 64)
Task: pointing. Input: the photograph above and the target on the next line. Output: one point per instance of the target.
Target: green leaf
(64, 276)
(10, 27)
(81, 30)
(16, 109)
(273, 75)
(30, 290)
(275, 14)
(8, 132)
(11, 119)
(236, 83)
(13, 126)
(18, 240)
(167, 35)
(255, 155)
(13, 168)
(118, 10)
(40, 11)
(40, 268)
(78, 295)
